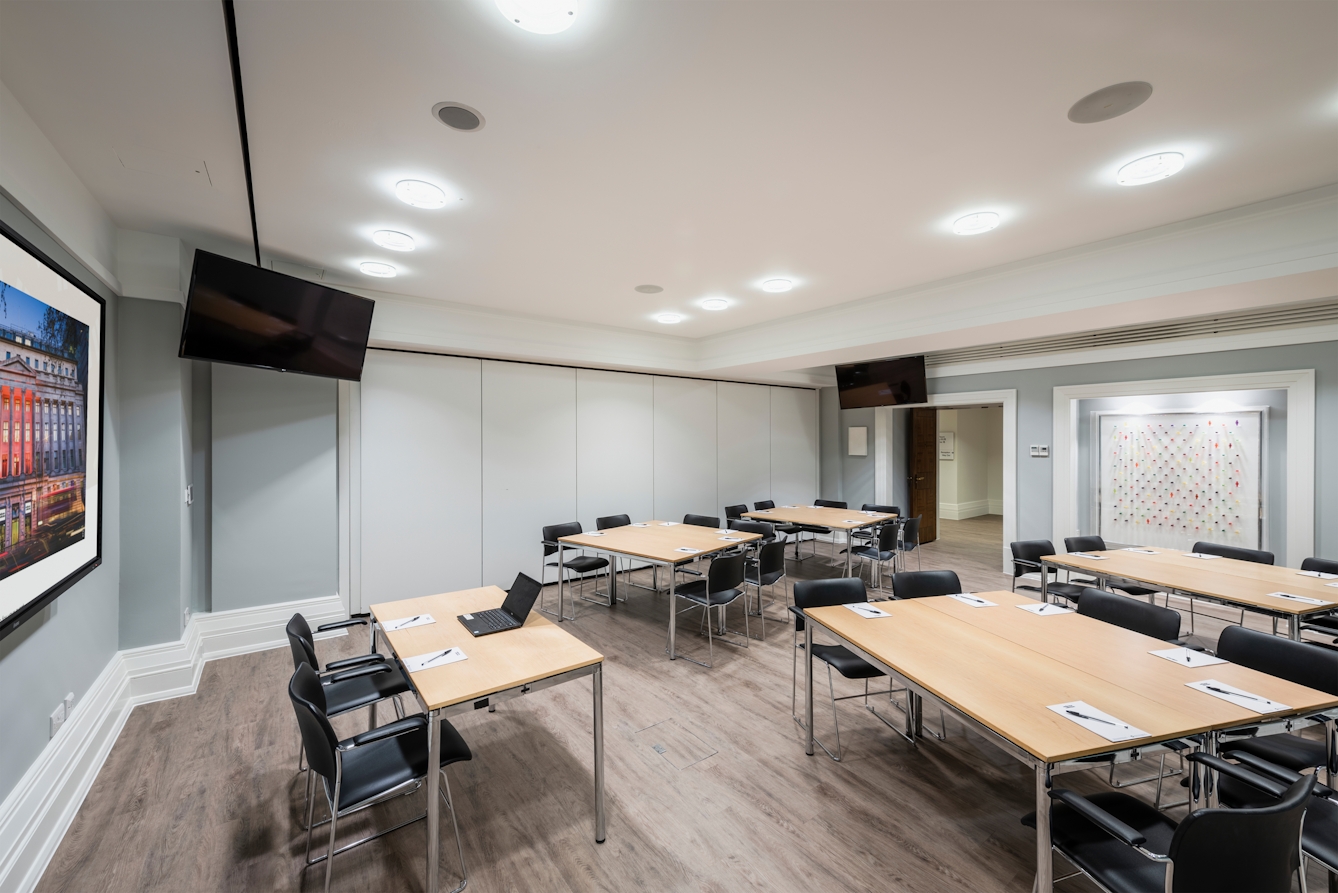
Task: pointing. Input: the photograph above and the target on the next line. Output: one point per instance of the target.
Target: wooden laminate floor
(201, 793)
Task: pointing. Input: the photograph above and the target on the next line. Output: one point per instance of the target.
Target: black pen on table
(1238, 694)
(1093, 718)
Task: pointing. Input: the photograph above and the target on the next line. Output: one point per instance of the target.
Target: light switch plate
(57, 719)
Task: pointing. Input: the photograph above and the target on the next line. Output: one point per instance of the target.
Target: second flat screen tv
(238, 313)
(891, 382)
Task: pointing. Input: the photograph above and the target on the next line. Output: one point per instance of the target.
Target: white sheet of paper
(732, 539)
(406, 622)
(668, 523)
(723, 530)
(1238, 696)
(1098, 721)
(1200, 555)
(1187, 657)
(433, 659)
(1332, 585)
(787, 506)
(866, 610)
(595, 533)
(762, 512)
(1143, 551)
(688, 549)
(973, 600)
(641, 524)
(1088, 555)
(1046, 609)
(1318, 575)
(1299, 598)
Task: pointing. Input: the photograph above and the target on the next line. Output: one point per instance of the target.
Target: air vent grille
(1286, 317)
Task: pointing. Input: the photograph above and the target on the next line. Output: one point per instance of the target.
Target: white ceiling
(698, 146)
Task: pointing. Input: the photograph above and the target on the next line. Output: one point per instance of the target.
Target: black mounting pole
(230, 19)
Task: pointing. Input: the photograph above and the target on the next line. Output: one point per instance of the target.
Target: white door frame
(883, 434)
(1300, 387)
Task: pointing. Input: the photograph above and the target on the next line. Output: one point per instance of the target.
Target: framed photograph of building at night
(51, 344)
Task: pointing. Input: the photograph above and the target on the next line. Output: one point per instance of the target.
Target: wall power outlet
(57, 719)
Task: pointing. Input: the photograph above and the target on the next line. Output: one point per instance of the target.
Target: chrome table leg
(673, 615)
(1045, 875)
(598, 686)
(433, 795)
(808, 686)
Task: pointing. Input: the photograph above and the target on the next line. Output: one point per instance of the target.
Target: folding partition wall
(463, 461)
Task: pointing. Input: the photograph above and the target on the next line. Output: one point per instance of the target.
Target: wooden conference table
(848, 520)
(999, 668)
(497, 668)
(660, 543)
(1228, 581)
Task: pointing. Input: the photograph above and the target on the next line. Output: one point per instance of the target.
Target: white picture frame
(857, 441)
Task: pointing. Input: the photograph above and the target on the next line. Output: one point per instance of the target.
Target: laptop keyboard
(493, 620)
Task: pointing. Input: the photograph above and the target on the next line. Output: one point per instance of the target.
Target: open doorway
(970, 466)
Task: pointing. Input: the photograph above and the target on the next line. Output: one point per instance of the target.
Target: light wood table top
(661, 540)
(1239, 582)
(819, 516)
(1007, 685)
(493, 663)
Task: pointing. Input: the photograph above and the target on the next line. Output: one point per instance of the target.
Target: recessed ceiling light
(649, 289)
(540, 16)
(388, 238)
(715, 304)
(458, 116)
(377, 269)
(420, 194)
(777, 285)
(1110, 102)
(979, 222)
(1150, 169)
(669, 319)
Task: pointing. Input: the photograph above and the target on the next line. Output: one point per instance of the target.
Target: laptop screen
(521, 597)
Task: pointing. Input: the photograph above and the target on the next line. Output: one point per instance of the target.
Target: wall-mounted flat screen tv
(892, 382)
(241, 314)
(51, 327)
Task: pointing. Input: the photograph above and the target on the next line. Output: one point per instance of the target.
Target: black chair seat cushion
(1289, 751)
(695, 591)
(583, 564)
(810, 528)
(1328, 621)
(1120, 868)
(750, 574)
(375, 768)
(341, 697)
(1070, 591)
(872, 552)
(843, 661)
(1134, 590)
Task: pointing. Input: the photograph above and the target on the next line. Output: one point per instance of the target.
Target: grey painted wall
(68, 644)
(842, 476)
(275, 498)
(201, 468)
(1035, 392)
(155, 392)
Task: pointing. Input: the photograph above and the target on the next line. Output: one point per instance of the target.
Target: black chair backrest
(1236, 552)
(830, 504)
(1029, 550)
(748, 526)
(319, 739)
(1255, 850)
(1297, 662)
(701, 520)
(771, 563)
(910, 533)
(301, 643)
(1323, 565)
(735, 512)
(764, 504)
(829, 591)
(726, 573)
(887, 538)
(922, 584)
(1084, 544)
(608, 522)
(1139, 616)
(555, 532)
(885, 509)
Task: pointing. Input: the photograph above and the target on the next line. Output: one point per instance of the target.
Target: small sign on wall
(857, 442)
(947, 445)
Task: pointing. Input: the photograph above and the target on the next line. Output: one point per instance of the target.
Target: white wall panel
(794, 445)
(685, 448)
(529, 463)
(743, 450)
(615, 445)
(420, 468)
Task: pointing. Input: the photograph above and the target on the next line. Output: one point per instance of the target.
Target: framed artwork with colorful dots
(1172, 479)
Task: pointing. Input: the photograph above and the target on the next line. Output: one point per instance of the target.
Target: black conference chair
(1255, 555)
(1326, 624)
(767, 569)
(580, 564)
(701, 520)
(821, 594)
(610, 522)
(870, 534)
(1297, 662)
(722, 585)
(1027, 556)
(1098, 544)
(368, 769)
(786, 529)
(352, 683)
(925, 584)
(1257, 782)
(817, 530)
(1125, 845)
(735, 512)
(876, 554)
(767, 531)
(910, 540)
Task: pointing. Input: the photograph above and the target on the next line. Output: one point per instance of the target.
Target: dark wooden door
(924, 471)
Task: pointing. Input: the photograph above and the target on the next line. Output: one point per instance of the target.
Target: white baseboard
(960, 511)
(37, 812)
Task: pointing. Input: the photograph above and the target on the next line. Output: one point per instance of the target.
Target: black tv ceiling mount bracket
(230, 21)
